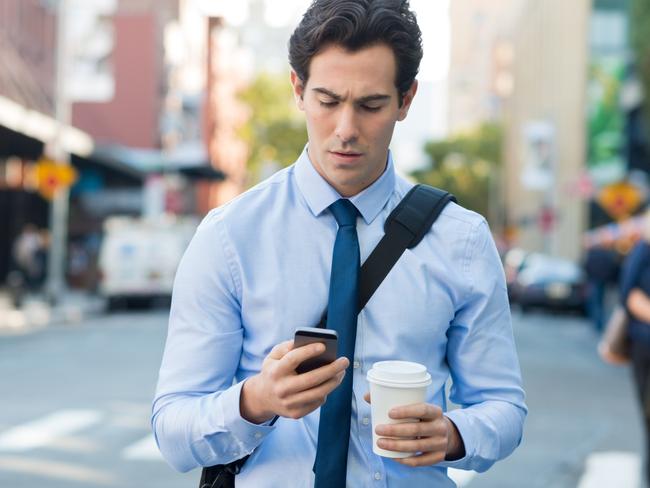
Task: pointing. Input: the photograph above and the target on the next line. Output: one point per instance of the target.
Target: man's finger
(318, 376)
(294, 357)
(424, 459)
(423, 411)
(366, 397)
(279, 350)
(315, 394)
(412, 429)
(428, 444)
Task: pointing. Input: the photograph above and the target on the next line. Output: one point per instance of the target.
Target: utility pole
(55, 285)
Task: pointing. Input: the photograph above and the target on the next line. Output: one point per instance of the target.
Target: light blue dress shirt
(258, 268)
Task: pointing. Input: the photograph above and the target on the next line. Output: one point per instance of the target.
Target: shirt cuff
(242, 436)
(461, 423)
(248, 433)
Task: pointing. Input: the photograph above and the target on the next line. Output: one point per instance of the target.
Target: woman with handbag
(635, 297)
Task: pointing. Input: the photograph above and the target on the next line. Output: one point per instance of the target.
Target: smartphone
(309, 335)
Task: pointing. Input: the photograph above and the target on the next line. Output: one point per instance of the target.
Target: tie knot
(344, 212)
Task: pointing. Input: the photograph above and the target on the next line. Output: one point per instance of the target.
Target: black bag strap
(404, 228)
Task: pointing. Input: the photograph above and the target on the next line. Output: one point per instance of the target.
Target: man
(635, 297)
(261, 266)
(601, 267)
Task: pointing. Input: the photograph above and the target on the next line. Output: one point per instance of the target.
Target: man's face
(351, 106)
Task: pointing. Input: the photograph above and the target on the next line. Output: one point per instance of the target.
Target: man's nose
(346, 127)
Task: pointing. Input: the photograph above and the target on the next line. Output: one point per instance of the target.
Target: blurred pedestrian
(42, 255)
(601, 267)
(635, 296)
(25, 255)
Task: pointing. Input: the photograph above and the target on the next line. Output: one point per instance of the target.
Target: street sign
(51, 176)
(620, 200)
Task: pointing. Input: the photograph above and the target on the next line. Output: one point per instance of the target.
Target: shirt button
(356, 365)
(365, 421)
(377, 475)
(258, 435)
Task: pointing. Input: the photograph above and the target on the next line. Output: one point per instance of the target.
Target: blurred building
(225, 113)
(130, 123)
(524, 63)
(27, 116)
(480, 60)
(545, 150)
(130, 116)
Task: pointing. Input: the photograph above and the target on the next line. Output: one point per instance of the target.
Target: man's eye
(369, 108)
(327, 104)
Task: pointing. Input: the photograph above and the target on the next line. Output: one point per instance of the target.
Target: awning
(43, 127)
(190, 160)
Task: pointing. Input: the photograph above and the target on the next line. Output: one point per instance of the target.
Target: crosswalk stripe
(43, 431)
(55, 469)
(461, 477)
(143, 450)
(620, 469)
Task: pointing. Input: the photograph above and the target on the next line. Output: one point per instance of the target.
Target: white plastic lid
(399, 374)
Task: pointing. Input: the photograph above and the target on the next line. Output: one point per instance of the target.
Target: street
(76, 402)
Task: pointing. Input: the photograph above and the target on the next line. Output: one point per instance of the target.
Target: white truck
(138, 257)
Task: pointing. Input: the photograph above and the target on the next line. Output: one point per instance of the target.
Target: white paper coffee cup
(394, 384)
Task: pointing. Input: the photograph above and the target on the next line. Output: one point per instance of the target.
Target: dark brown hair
(355, 24)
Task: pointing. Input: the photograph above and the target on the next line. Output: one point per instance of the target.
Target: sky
(432, 18)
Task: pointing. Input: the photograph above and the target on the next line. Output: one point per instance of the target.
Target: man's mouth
(346, 154)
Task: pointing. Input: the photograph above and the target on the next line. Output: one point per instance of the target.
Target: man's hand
(434, 437)
(279, 390)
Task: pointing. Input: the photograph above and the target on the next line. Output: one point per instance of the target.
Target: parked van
(138, 258)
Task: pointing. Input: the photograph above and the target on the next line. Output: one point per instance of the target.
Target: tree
(640, 34)
(464, 164)
(275, 130)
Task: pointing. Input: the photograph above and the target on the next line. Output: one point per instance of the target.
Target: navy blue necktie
(334, 429)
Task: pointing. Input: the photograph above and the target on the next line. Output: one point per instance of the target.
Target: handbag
(614, 346)
(404, 228)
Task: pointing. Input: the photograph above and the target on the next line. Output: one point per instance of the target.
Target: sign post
(55, 284)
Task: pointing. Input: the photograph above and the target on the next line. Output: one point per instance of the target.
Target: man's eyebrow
(329, 93)
(373, 98)
(339, 98)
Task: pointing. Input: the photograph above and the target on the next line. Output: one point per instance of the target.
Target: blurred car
(513, 262)
(549, 282)
(138, 258)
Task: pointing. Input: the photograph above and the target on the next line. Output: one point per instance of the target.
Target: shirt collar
(319, 194)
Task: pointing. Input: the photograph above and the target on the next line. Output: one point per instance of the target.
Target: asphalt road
(76, 400)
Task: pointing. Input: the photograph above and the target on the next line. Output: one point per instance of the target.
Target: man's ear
(407, 99)
(298, 90)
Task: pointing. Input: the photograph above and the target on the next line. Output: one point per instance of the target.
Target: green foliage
(605, 121)
(463, 165)
(275, 131)
(640, 35)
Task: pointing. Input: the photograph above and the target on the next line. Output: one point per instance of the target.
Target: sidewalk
(35, 312)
